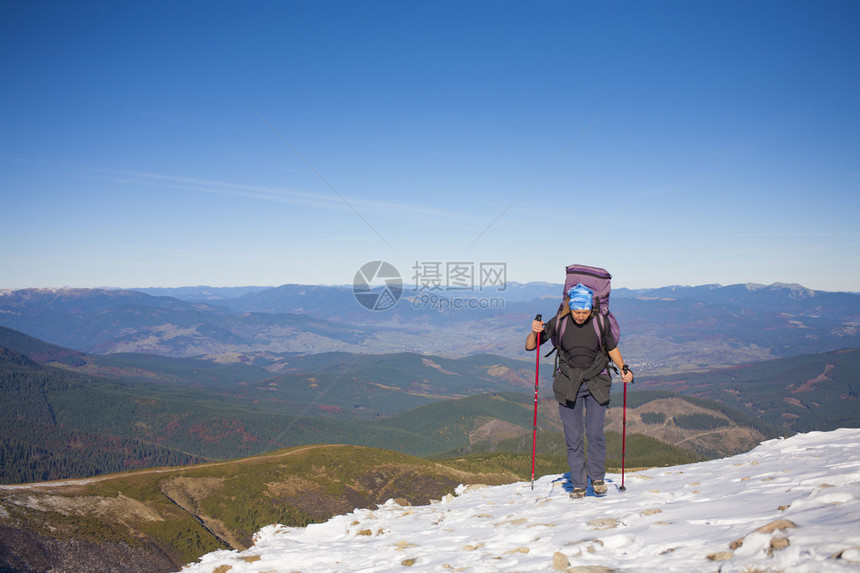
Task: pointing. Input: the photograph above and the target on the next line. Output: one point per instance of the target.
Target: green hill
(60, 423)
(797, 394)
(52, 416)
(334, 383)
(157, 520)
(38, 350)
(196, 372)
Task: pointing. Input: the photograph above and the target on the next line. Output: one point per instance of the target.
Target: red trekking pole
(534, 427)
(624, 430)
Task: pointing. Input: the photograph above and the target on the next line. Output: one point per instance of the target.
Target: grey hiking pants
(574, 432)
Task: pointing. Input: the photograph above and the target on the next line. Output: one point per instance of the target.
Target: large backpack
(599, 281)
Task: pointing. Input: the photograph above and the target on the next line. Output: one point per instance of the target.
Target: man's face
(580, 316)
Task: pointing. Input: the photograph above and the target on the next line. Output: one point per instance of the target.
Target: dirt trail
(168, 470)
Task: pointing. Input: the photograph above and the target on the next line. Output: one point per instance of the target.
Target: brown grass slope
(158, 519)
(728, 439)
(725, 440)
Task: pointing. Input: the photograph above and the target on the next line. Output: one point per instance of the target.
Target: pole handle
(627, 369)
(538, 317)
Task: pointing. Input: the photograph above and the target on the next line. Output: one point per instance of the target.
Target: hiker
(581, 384)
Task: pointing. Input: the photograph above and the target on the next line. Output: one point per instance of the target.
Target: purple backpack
(599, 281)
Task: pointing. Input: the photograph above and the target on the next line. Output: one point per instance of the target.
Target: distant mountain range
(663, 330)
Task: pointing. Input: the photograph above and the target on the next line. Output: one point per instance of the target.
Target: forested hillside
(798, 393)
(40, 443)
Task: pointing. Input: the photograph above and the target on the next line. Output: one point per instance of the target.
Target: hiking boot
(599, 487)
(577, 493)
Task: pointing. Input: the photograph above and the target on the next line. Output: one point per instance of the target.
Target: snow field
(788, 505)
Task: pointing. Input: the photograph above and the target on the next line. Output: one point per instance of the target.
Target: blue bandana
(581, 298)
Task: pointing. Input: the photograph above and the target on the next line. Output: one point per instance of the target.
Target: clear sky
(264, 143)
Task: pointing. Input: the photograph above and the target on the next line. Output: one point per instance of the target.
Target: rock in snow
(788, 505)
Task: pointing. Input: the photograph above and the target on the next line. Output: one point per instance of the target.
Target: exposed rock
(560, 562)
(603, 523)
(721, 556)
(776, 525)
(518, 550)
(777, 544)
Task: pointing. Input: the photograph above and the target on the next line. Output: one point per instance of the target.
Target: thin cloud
(183, 183)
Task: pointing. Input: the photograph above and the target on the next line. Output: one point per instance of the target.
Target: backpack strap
(559, 333)
(601, 327)
(556, 338)
(561, 328)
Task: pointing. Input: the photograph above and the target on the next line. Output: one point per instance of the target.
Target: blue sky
(264, 143)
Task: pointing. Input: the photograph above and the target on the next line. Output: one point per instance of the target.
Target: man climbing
(582, 383)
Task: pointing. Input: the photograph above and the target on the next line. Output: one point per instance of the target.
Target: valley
(148, 430)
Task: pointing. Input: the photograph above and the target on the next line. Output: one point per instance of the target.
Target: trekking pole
(534, 427)
(625, 370)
